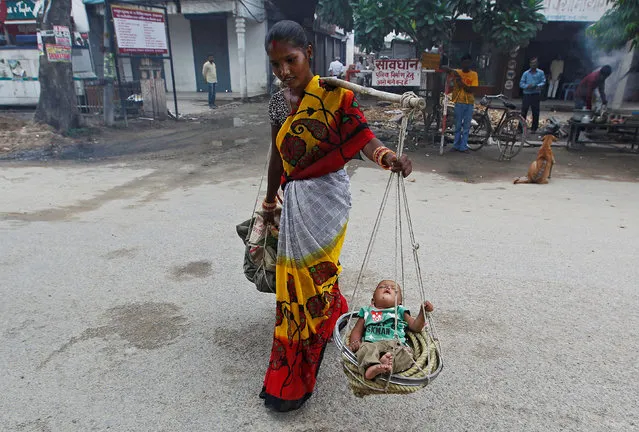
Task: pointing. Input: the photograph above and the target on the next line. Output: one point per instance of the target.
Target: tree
(618, 26)
(57, 105)
(506, 24)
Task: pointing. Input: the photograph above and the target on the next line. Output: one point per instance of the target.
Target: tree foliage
(617, 26)
(506, 24)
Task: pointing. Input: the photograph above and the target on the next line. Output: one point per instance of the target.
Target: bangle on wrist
(269, 205)
(379, 154)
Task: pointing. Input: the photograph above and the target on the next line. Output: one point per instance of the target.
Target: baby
(380, 352)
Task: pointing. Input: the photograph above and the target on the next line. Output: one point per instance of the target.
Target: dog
(541, 169)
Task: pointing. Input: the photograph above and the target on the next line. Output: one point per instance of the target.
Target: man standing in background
(336, 68)
(466, 82)
(532, 82)
(556, 69)
(209, 72)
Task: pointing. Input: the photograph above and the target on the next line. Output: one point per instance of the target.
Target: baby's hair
(288, 32)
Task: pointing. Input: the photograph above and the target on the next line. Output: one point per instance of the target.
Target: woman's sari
(315, 142)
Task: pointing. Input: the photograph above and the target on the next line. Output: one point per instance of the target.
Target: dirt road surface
(124, 306)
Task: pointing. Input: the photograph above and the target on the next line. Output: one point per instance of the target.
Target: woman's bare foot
(377, 369)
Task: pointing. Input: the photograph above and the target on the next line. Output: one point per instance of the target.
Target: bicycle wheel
(479, 132)
(511, 135)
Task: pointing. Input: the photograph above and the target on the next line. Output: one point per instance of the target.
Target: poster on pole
(62, 35)
(58, 53)
(397, 72)
(139, 32)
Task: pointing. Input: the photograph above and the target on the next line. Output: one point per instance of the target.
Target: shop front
(563, 50)
(20, 56)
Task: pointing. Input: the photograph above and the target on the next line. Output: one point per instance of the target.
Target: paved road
(124, 307)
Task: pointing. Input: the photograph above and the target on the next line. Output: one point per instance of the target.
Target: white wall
(585, 11)
(15, 91)
(256, 61)
(204, 6)
(80, 18)
(182, 50)
(256, 58)
(621, 79)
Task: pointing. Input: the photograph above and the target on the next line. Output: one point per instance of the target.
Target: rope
(426, 350)
(427, 365)
(259, 191)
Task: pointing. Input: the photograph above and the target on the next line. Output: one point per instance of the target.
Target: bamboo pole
(444, 118)
(412, 101)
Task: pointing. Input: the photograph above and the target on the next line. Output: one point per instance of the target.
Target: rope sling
(427, 359)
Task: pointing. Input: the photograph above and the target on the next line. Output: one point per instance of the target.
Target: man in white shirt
(336, 68)
(556, 69)
(209, 72)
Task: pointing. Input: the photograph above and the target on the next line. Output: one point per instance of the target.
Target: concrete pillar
(350, 49)
(240, 29)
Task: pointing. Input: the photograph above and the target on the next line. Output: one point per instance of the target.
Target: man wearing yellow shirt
(209, 72)
(466, 82)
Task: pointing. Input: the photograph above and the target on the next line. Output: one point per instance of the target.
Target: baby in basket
(373, 338)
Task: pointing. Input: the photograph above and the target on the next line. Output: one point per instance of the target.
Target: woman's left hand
(403, 164)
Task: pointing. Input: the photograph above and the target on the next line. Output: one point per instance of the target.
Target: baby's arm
(417, 324)
(356, 335)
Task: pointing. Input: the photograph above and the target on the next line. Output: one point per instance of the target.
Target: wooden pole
(444, 118)
(412, 101)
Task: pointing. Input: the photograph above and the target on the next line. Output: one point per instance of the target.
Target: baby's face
(385, 294)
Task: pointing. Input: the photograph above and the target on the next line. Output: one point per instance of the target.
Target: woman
(316, 129)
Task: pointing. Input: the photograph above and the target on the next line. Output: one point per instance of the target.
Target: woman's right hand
(268, 212)
(269, 217)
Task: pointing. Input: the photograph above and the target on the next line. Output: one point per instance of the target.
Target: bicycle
(510, 133)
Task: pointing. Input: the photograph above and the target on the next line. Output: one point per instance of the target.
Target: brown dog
(541, 169)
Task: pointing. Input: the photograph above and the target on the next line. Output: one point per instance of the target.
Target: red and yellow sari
(315, 142)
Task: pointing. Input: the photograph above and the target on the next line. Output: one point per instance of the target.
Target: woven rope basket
(427, 366)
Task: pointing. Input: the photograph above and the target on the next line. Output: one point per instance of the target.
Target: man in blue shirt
(532, 82)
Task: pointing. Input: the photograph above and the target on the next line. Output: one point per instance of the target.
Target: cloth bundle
(260, 256)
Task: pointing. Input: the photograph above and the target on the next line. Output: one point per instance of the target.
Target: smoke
(618, 60)
(599, 57)
(613, 59)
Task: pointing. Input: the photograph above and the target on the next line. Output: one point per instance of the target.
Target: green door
(208, 32)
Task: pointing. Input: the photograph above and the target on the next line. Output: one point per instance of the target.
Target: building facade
(233, 31)
(562, 38)
(20, 54)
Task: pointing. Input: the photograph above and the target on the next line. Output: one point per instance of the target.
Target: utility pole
(108, 68)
